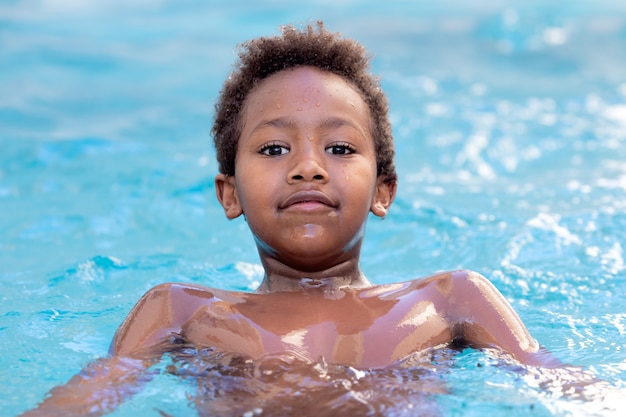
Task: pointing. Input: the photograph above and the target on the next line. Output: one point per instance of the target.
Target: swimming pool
(510, 129)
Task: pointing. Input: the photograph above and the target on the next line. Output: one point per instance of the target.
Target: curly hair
(264, 56)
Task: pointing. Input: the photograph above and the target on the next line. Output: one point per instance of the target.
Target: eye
(341, 148)
(273, 149)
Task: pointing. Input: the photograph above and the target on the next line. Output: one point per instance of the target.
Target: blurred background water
(510, 126)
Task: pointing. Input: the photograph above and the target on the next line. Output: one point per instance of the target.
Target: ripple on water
(441, 382)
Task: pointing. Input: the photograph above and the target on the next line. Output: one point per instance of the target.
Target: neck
(283, 278)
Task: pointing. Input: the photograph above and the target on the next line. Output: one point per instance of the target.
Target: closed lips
(307, 197)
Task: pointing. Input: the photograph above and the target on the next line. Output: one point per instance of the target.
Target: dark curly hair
(262, 57)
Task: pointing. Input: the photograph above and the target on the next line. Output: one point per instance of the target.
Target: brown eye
(340, 149)
(273, 149)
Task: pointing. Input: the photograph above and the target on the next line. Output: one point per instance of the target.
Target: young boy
(306, 153)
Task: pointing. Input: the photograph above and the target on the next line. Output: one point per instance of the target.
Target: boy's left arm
(485, 319)
(492, 322)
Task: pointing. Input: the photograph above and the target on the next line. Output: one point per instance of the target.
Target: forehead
(303, 87)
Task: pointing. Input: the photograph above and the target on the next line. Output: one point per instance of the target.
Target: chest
(356, 337)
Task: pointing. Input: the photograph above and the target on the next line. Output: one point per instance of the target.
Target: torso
(369, 328)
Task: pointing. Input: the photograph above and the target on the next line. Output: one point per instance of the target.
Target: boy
(306, 153)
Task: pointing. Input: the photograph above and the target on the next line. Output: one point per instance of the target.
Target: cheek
(359, 178)
(362, 168)
(254, 190)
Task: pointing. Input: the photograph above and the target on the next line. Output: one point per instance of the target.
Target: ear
(383, 197)
(226, 192)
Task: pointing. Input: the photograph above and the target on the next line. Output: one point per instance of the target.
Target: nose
(308, 166)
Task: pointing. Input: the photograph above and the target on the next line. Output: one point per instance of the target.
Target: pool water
(510, 127)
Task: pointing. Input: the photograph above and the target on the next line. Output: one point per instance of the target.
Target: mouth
(308, 200)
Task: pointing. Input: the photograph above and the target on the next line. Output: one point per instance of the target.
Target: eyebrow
(287, 123)
(281, 123)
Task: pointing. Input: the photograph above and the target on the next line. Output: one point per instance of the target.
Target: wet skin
(306, 181)
(369, 327)
(306, 177)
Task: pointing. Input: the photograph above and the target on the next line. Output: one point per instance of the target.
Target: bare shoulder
(440, 285)
(479, 314)
(459, 276)
(458, 293)
(161, 312)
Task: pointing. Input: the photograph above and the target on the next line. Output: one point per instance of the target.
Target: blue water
(510, 126)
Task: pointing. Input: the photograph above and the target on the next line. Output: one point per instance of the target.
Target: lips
(308, 198)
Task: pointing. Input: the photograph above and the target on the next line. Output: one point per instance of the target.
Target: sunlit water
(510, 126)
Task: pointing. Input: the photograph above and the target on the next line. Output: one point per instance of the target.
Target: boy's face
(305, 169)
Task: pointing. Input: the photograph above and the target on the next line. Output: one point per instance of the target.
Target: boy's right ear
(226, 192)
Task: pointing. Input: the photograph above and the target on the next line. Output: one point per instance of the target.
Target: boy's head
(262, 57)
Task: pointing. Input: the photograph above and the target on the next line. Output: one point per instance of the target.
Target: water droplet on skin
(299, 109)
(306, 100)
(317, 104)
(278, 105)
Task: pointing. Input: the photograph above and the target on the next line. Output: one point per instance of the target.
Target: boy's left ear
(385, 193)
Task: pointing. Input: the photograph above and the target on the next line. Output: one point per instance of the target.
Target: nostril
(318, 177)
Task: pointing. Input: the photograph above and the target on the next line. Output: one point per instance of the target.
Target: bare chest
(361, 337)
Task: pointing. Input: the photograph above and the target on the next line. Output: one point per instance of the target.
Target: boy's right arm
(97, 389)
(160, 313)
(105, 383)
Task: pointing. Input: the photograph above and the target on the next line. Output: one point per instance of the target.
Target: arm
(138, 343)
(96, 390)
(486, 319)
(483, 318)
